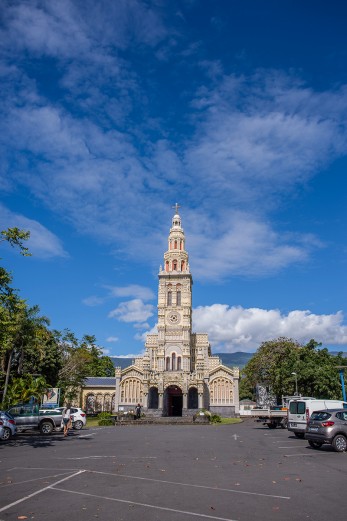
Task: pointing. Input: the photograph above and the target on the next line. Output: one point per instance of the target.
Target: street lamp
(296, 383)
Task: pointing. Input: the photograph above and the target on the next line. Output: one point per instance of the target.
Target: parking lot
(171, 473)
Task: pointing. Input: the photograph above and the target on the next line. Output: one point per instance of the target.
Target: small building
(246, 407)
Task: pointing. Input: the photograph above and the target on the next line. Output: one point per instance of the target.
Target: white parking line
(6, 507)
(144, 505)
(127, 476)
(34, 479)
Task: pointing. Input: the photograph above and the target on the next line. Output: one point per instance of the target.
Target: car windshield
(320, 415)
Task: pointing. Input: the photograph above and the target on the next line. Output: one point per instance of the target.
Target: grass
(92, 422)
(229, 421)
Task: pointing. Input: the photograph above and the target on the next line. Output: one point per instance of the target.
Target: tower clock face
(174, 317)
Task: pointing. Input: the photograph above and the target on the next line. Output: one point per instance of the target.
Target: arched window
(167, 266)
(175, 246)
(169, 298)
(174, 361)
(178, 298)
(168, 363)
(179, 363)
(174, 265)
(183, 265)
(221, 391)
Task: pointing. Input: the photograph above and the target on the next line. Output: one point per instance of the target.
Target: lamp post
(296, 383)
(341, 369)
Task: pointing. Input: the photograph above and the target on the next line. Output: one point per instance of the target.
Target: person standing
(138, 411)
(66, 418)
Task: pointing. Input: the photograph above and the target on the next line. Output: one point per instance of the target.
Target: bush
(215, 418)
(105, 419)
(202, 414)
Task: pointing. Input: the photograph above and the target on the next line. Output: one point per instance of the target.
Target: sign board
(51, 398)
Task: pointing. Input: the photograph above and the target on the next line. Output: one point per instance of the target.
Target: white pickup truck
(273, 417)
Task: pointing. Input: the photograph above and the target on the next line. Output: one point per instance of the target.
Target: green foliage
(276, 360)
(15, 237)
(24, 388)
(105, 419)
(215, 418)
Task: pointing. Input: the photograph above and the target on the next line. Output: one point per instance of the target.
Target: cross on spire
(177, 206)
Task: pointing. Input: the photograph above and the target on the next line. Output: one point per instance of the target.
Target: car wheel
(6, 435)
(340, 443)
(46, 428)
(300, 435)
(78, 425)
(315, 444)
(271, 425)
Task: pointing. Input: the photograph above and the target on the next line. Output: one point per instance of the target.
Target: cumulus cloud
(42, 242)
(132, 311)
(234, 328)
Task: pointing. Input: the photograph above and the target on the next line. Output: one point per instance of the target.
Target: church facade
(177, 374)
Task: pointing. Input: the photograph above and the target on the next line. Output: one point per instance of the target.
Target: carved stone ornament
(173, 317)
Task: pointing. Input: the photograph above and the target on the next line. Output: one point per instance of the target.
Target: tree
(25, 388)
(276, 360)
(272, 365)
(16, 237)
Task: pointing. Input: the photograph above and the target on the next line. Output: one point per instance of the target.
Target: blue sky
(111, 112)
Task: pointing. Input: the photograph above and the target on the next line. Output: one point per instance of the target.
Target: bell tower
(175, 302)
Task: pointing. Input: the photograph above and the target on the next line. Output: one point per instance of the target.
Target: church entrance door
(173, 401)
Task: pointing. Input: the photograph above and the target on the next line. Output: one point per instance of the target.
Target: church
(177, 375)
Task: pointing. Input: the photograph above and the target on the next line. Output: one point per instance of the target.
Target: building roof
(100, 381)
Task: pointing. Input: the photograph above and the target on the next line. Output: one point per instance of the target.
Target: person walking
(66, 418)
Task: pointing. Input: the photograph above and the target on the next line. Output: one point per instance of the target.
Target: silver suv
(329, 426)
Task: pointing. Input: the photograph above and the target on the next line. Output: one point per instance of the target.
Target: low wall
(224, 411)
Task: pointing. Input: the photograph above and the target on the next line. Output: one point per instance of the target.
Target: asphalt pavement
(171, 473)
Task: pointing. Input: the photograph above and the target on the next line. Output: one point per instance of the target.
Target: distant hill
(238, 359)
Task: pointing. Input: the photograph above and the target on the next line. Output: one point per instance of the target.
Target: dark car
(328, 426)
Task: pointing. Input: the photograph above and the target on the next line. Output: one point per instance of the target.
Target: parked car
(328, 426)
(8, 425)
(300, 410)
(78, 416)
(28, 417)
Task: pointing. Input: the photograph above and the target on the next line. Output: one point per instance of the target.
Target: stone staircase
(162, 420)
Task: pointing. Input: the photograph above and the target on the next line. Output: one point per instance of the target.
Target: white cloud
(244, 245)
(254, 139)
(42, 242)
(235, 328)
(93, 301)
(132, 311)
(132, 290)
(112, 339)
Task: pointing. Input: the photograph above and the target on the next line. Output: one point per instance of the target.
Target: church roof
(100, 381)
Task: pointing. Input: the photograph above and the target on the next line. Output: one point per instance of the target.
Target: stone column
(118, 371)
(200, 401)
(161, 401)
(185, 401)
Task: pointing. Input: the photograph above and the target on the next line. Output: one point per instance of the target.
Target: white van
(300, 409)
